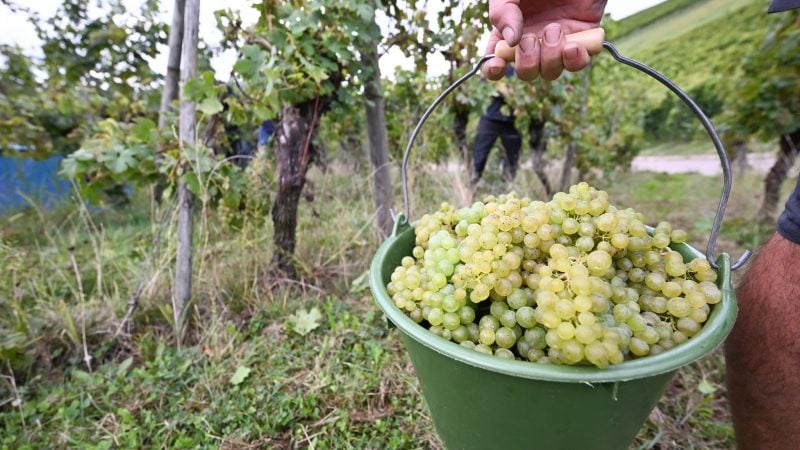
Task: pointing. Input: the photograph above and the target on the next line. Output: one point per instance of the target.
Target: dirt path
(707, 164)
(703, 164)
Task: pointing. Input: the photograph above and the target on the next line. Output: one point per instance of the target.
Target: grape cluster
(571, 281)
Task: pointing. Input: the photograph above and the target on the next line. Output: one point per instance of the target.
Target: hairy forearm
(763, 351)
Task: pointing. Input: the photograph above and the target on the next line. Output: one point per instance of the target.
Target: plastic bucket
(479, 401)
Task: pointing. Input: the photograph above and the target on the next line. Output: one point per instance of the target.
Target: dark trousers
(488, 132)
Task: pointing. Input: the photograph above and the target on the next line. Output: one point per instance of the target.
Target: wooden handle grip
(591, 39)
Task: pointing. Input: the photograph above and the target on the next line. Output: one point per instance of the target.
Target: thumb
(506, 16)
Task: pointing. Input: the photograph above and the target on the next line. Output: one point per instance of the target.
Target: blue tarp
(38, 180)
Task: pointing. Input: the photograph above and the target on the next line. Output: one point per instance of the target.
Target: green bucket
(479, 401)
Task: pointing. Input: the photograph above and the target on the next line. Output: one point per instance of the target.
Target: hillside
(711, 53)
(675, 18)
(647, 16)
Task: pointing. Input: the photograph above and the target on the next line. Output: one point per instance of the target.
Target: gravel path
(704, 164)
(707, 164)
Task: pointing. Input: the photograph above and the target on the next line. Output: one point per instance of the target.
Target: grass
(248, 377)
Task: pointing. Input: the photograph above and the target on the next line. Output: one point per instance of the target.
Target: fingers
(575, 57)
(506, 17)
(547, 56)
(494, 68)
(552, 63)
(527, 57)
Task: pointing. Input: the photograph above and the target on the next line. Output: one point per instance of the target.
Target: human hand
(539, 27)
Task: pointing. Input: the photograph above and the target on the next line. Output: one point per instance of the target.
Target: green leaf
(360, 284)
(81, 376)
(124, 365)
(143, 130)
(262, 113)
(69, 168)
(83, 155)
(210, 106)
(190, 178)
(251, 61)
(706, 388)
(240, 374)
(365, 11)
(303, 322)
(194, 89)
(124, 160)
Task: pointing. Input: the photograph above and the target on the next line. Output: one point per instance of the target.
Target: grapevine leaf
(190, 178)
(69, 168)
(143, 129)
(83, 155)
(210, 106)
(365, 11)
(123, 161)
(251, 61)
(194, 89)
(303, 322)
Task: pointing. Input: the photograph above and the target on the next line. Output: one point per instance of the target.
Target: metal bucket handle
(723, 157)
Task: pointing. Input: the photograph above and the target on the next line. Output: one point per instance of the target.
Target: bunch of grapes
(570, 281)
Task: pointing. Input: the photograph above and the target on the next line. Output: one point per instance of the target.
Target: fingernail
(495, 71)
(571, 52)
(552, 34)
(509, 35)
(528, 43)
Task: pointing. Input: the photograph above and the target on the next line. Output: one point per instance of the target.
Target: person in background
(762, 353)
(497, 122)
(265, 132)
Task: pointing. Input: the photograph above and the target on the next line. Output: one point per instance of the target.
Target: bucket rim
(716, 328)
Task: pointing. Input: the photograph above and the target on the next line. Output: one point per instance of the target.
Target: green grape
(566, 330)
(474, 332)
(655, 281)
(678, 307)
(484, 349)
(508, 318)
(711, 292)
(504, 337)
(451, 321)
(596, 354)
(504, 353)
(661, 240)
(620, 240)
(466, 315)
(678, 236)
(688, 326)
(639, 347)
(565, 309)
(525, 317)
(699, 315)
(598, 261)
(486, 336)
(569, 281)
(572, 352)
(550, 319)
(460, 334)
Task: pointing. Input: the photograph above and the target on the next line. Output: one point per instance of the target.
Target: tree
(767, 101)
(95, 66)
(169, 93)
(295, 62)
(377, 141)
(458, 25)
(183, 258)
